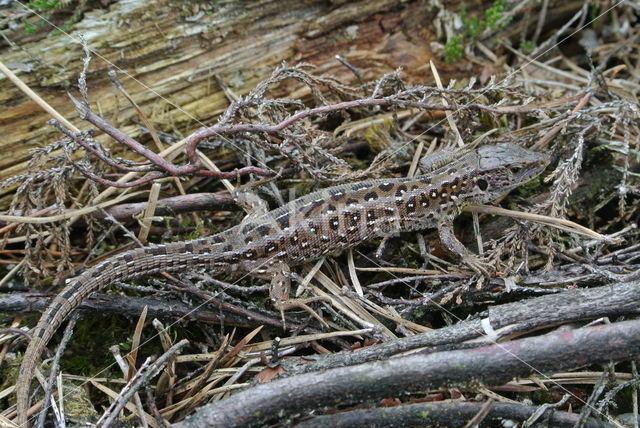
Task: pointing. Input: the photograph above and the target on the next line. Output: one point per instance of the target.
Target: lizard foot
(285, 305)
(279, 292)
(478, 265)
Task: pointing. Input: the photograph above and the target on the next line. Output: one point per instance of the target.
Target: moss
(527, 46)
(453, 49)
(474, 26)
(9, 374)
(77, 403)
(88, 351)
(526, 191)
(494, 14)
(377, 135)
(45, 10)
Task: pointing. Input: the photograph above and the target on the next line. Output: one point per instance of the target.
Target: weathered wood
(169, 60)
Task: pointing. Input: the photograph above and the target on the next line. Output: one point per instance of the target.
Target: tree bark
(447, 414)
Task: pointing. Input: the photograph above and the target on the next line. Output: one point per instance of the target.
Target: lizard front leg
(451, 243)
(247, 197)
(253, 204)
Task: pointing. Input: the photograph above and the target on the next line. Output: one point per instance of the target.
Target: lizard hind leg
(279, 293)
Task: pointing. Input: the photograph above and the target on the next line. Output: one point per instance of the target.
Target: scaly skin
(309, 227)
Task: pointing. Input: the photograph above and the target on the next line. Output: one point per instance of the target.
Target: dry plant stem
(86, 114)
(151, 405)
(13, 330)
(147, 372)
(149, 211)
(450, 414)
(9, 227)
(117, 184)
(596, 393)
(393, 100)
(36, 98)
(78, 138)
(169, 373)
(194, 167)
(490, 365)
(212, 300)
(46, 402)
(449, 115)
(227, 286)
(541, 20)
(150, 128)
(410, 279)
(121, 401)
(132, 355)
(70, 214)
(550, 135)
(560, 223)
(480, 415)
(507, 319)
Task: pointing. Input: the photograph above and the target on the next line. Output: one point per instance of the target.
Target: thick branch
(446, 414)
(490, 365)
(508, 319)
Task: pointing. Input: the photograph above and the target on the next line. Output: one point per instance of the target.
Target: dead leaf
(268, 373)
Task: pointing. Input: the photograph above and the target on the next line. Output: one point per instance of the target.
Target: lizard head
(502, 167)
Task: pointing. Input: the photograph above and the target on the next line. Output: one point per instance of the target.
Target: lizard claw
(478, 265)
(279, 292)
(284, 305)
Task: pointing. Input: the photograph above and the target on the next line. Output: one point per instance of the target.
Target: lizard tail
(27, 368)
(128, 265)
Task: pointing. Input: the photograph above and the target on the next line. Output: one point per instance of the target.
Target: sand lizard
(306, 228)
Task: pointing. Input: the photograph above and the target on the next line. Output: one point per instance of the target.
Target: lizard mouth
(523, 174)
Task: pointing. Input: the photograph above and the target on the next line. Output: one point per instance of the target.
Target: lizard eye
(515, 169)
(482, 184)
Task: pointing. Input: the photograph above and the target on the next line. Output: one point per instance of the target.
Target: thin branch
(146, 372)
(79, 138)
(194, 167)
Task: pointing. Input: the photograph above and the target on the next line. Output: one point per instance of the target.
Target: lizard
(322, 222)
